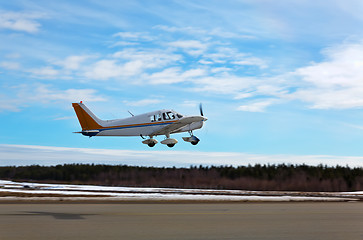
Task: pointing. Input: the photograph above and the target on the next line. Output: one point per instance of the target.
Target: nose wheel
(192, 139)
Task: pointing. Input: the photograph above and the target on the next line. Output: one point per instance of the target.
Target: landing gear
(170, 142)
(150, 142)
(192, 139)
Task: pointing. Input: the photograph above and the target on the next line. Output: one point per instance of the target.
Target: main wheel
(171, 145)
(152, 144)
(194, 142)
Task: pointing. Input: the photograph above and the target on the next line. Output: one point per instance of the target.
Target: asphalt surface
(182, 221)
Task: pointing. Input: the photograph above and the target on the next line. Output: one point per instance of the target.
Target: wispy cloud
(135, 36)
(175, 75)
(73, 62)
(209, 60)
(20, 155)
(21, 96)
(9, 104)
(46, 93)
(20, 21)
(63, 118)
(256, 106)
(45, 72)
(336, 82)
(192, 47)
(10, 65)
(143, 102)
(195, 31)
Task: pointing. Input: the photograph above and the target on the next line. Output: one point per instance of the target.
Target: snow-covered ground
(10, 190)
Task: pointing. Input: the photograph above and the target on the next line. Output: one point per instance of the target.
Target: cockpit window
(168, 116)
(171, 115)
(165, 115)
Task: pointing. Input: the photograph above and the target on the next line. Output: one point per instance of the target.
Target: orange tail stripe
(86, 121)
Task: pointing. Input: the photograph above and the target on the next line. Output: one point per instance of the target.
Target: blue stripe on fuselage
(135, 126)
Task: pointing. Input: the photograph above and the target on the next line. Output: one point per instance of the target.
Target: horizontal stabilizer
(89, 133)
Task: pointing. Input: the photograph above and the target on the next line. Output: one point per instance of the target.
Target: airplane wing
(174, 127)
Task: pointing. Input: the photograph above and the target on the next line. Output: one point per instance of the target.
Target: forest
(258, 177)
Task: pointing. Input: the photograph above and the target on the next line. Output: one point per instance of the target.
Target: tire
(170, 145)
(151, 144)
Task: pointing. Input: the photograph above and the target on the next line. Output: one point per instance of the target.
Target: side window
(171, 115)
(166, 116)
(155, 118)
(158, 117)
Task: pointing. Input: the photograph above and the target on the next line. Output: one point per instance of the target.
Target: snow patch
(91, 192)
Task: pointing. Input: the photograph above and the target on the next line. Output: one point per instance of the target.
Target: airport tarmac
(181, 221)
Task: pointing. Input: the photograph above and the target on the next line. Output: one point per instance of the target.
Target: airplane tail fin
(86, 118)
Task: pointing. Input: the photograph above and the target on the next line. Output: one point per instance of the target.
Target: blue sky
(278, 80)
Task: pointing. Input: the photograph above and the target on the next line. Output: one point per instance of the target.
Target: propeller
(201, 109)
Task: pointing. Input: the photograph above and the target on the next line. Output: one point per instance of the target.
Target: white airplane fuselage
(142, 125)
(161, 122)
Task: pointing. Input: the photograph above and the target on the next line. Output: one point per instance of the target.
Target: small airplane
(161, 122)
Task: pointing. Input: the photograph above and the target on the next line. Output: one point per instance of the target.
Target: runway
(182, 221)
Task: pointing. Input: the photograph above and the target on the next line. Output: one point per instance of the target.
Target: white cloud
(20, 21)
(21, 96)
(150, 58)
(250, 61)
(66, 68)
(9, 104)
(134, 36)
(226, 84)
(110, 68)
(243, 95)
(45, 72)
(73, 62)
(63, 118)
(10, 65)
(123, 44)
(190, 104)
(217, 32)
(334, 83)
(17, 155)
(256, 106)
(187, 30)
(44, 93)
(192, 47)
(175, 75)
(128, 63)
(230, 56)
(143, 102)
(337, 82)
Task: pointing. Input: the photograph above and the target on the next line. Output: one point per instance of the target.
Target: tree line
(257, 177)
